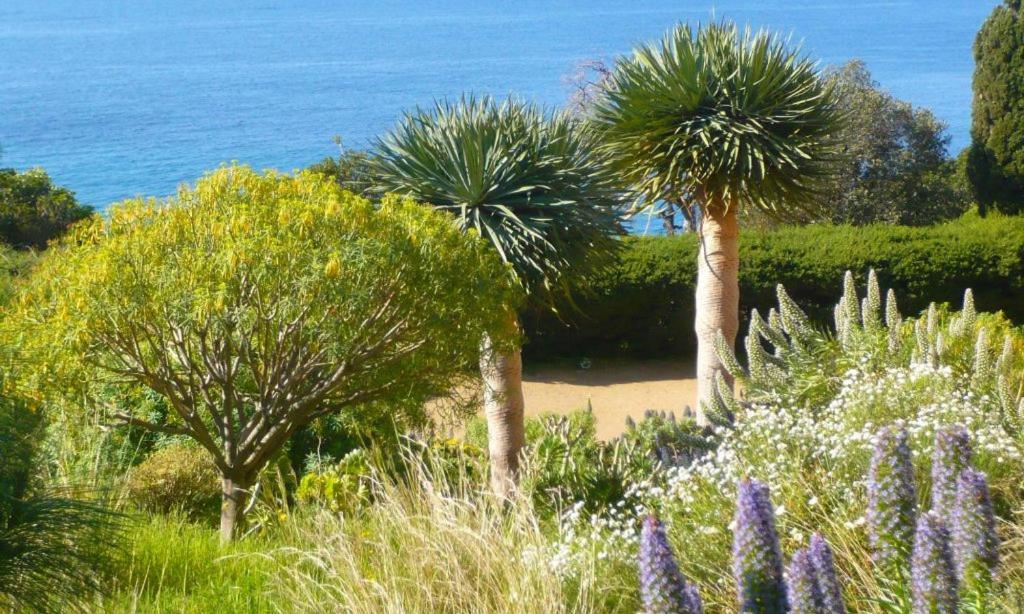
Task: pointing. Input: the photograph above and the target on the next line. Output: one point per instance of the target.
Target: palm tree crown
(724, 116)
(527, 181)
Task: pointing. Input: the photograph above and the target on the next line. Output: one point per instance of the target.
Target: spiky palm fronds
(527, 181)
(730, 116)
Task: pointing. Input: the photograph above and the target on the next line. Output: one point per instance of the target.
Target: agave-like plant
(529, 182)
(715, 119)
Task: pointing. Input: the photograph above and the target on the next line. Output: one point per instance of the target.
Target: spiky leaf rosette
(54, 552)
(728, 116)
(527, 181)
(892, 502)
(663, 588)
(933, 579)
(952, 455)
(975, 542)
(757, 555)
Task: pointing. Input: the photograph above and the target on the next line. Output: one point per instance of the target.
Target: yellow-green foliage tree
(256, 303)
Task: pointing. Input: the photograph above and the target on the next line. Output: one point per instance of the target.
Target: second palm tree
(529, 183)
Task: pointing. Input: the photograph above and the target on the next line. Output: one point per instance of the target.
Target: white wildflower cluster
(782, 437)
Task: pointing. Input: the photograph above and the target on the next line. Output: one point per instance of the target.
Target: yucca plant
(530, 183)
(715, 119)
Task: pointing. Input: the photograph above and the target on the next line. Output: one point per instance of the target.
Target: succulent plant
(892, 503)
(757, 556)
(663, 588)
(933, 577)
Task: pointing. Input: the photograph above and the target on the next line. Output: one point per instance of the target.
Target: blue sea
(117, 98)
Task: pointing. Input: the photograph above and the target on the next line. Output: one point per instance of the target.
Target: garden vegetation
(293, 359)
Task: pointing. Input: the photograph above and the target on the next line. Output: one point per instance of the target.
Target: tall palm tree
(528, 182)
(716, 119)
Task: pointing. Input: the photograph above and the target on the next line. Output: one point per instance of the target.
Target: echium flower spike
(842, 326)
(968, 315)
(952, 454)
(871, 315)
(892, 503)
(933, 321)
(804, 591)
(1004, 362)
(757, 358)
(825, 571)
(893, 319)
(921, 337)
(728, 357)
(663, 588)
(795, 322)
(692, 603)
(982, 360)
(775, 321)
(757, 556)
(932, 575)
(851, 304)
(764, 328)
(975, 542)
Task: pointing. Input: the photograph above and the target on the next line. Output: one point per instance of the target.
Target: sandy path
(615, 390)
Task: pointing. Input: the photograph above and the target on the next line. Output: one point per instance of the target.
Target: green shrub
(342, 487)
(33, 211)
(644, 306)
(177, 478)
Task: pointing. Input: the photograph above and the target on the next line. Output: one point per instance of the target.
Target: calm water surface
(124, 97)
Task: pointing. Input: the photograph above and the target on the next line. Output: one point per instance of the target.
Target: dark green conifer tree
(995, 163)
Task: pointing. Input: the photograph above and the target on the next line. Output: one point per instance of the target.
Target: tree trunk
(502, 373)
(717, 297)
(235, 494)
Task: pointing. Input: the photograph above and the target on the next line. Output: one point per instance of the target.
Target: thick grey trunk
(232, 510)
(502, 374)
(717, 296)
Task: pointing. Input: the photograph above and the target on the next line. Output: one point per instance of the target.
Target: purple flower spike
(975, 543)
(892, 503)
(932, 575)
(952, 455)
(825, 571)
(691, 600)
(662, 587)
(804, 591)
(757, 557)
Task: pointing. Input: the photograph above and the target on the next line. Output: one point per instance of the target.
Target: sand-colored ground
(615, 390)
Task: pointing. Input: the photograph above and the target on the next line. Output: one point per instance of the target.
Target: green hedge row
(643, 307)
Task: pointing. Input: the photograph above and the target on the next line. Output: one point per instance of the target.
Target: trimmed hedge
(643, 307)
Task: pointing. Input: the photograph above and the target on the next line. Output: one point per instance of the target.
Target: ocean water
(117, 98)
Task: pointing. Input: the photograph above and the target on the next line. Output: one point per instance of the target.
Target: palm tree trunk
(502, 373)
(717, 297)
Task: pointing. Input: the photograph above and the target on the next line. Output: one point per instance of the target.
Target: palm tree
(528, 182)
(715, 119)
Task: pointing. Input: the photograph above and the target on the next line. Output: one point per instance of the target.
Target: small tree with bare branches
(255, 303)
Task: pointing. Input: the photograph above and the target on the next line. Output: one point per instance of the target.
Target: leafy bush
(177, 478)
(644, 306)
(33, 211)
(341, 487)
